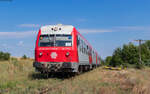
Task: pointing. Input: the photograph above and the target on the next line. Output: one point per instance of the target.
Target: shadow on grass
(61, 76)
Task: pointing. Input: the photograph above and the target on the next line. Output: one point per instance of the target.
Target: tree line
(128, 55)
(6, 56)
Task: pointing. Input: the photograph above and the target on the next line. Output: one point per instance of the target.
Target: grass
(19, 77)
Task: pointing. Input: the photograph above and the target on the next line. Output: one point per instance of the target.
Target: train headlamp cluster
(55, 29)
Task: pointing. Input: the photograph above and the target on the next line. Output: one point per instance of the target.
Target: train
(61, 48)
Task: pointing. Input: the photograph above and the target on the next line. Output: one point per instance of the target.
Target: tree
(145, 53)
(130, 54)
(117, 58)
(4, 56)
(24, 57)
(147, 43)
(108, 60)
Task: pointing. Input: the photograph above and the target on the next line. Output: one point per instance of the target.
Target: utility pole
(140, 42)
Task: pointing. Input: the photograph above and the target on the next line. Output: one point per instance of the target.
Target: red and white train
(61, 48)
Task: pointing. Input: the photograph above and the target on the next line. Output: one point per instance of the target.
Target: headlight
(41, 54)
(67, 54)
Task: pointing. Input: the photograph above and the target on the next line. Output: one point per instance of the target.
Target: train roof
(87, 42)
(57, 29)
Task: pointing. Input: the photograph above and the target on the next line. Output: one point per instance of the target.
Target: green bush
(147, 63)
(117, 58)
(4, 56)
(24, 57)
(108, 60)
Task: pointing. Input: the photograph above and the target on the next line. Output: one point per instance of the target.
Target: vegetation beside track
(129, 56)
(19, 77)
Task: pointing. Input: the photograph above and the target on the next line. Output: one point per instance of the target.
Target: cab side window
(78, 41)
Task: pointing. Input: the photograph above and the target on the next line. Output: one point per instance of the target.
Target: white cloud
(23, 34)
(117, 29)
(20, 43)
(94, 30)
(29, 25)
(132, 28)
(20, 34)
(81, 20)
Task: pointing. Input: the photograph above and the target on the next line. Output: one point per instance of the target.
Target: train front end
(55, 49)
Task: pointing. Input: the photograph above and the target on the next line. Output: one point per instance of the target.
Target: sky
(106, 24)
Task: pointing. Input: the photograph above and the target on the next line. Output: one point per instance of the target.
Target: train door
(90, 56)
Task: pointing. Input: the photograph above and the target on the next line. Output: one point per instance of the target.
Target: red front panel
(57, 54)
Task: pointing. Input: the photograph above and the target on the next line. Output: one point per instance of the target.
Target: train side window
(80, 49)
(84, 50)
(82, 44)
(78, 41)
(87, 52)
(87, 47)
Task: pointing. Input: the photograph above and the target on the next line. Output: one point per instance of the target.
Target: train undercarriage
(62, 67)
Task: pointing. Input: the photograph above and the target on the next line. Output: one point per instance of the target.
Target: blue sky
(106, 24)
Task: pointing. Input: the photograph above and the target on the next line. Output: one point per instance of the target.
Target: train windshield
(55, 40)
